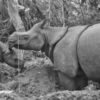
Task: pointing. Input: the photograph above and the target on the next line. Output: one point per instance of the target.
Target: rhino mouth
(11, 43)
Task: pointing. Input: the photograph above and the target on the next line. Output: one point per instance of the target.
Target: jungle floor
(35, 83)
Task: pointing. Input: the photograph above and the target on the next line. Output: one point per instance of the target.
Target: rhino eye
(35, 37)
(25, 37)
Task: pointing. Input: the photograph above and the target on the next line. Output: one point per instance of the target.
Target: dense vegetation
(60, 13)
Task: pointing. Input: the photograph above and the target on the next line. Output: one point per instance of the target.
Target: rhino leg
(66, 82)
(68, 77)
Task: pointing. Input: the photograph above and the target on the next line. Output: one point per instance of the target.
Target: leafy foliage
(60, 12)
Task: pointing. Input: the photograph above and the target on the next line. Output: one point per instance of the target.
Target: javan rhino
(75, 51)
(10, 57)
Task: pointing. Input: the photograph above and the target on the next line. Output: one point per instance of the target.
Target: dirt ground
(34, 83)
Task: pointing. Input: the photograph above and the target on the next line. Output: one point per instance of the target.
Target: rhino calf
(10, 57)
(75, 51)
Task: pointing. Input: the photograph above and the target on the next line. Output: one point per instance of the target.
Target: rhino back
(65, 55)
(89, 52)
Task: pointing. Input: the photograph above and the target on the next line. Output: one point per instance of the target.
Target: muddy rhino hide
(10, 57)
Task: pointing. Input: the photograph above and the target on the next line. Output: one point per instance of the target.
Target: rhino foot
(74, 83)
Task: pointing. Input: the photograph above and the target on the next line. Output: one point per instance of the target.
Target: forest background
(59, 12)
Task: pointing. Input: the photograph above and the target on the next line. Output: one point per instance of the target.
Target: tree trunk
(15, 18)
(14, 15)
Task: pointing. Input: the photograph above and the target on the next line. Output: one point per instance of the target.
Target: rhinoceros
(10, 57)
(74, 51)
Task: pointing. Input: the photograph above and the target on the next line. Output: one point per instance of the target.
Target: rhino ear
(41, 24)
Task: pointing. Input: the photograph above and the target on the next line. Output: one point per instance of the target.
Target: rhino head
(10, 57)
(37, 37)
(30, 40)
